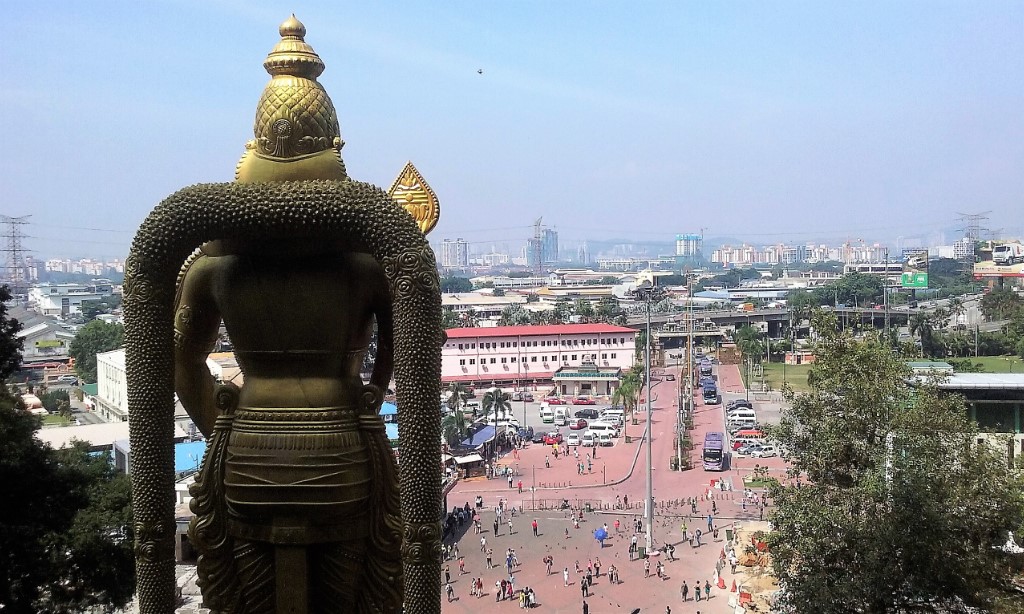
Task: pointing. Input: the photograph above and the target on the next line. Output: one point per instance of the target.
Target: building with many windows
(529, 356)
(454, 254)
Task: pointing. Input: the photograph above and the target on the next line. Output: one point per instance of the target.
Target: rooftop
(524, 331)
(982, 381)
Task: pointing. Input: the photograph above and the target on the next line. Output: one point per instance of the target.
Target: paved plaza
(617, 477)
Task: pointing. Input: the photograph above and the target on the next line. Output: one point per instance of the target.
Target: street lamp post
(646, 292)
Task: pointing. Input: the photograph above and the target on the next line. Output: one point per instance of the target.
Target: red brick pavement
(610, 477)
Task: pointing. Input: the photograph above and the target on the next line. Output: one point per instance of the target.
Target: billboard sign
(1007, 260)
(915, 269)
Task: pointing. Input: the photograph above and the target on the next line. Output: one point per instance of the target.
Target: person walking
(495, 526)
(450, 591)
(447, 574)
(520, 484)
(710, 523)
(586, 608)
(510, 531)
(597, 567)
(707, 591)
(490, 553)
(534, 524)
(647, 568)
(462, 566)
(616, 525)
(565, 577)
(696, 590)
(483, 544)
(685, 591)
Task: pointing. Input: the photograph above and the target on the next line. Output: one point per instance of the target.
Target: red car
(554, 401)
(584, 401)
(552, 438)
(579, 425)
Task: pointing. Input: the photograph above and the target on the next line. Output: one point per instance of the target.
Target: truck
(1008, 254)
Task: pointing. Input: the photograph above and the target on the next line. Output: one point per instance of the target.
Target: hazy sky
(761, 120)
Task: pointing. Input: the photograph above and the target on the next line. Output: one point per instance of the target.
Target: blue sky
(759, 120)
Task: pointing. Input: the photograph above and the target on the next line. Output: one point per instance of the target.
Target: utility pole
(646, 292)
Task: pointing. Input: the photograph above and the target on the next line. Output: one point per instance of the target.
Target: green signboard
(914, 280)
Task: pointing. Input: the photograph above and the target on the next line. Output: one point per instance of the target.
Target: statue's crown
(296, 129)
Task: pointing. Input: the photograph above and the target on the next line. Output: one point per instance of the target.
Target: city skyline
(768, 122)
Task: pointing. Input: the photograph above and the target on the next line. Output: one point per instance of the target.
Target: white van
(562, 415)
(613, 414)
(546, 415)
(605, 439)
(599, 428)
(588, 440)
(742, 415)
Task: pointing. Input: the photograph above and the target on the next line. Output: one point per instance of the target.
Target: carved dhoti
(297, 476)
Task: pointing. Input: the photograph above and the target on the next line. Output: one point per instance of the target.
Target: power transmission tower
(14, 271)
(971, 224)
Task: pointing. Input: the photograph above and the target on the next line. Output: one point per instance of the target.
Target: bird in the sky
(479, 71)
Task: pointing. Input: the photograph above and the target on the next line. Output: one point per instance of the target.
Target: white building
(454, 254)
(530, 355)
(65, 299)
(111, 400)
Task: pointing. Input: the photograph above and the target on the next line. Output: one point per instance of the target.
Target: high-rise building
(454, 254)
(689, 245)
(549, 246)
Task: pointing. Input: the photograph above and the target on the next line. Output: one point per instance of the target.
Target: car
(68, 379)
(554, 401)
(526, 432)
(749, 449)
(670, 378)
(605, 439)
(528, 397)
(588, 440)
(517, 396)
(572, 440)
(539, 437)
(578, 425)
(588, 413)
(552, 438)
(584, 401)
(765, 452)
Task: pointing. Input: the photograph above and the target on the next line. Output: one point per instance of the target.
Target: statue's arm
(384, 365)
(196, 322)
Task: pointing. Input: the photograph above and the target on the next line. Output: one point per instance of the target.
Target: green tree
(458, 393)
(514, 315)
(67, 541)
(901, 508)
(94, 338)
(748, 340)
(609, 280)
(607, 309)
(802, 303)
(454, 285)
(1001, 304)
(454, 427)
(583, 308)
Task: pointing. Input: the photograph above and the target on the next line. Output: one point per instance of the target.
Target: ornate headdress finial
(296, 128)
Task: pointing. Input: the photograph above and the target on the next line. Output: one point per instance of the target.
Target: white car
(572, 440)
(588, 440)
(765, 452)
(605, 439)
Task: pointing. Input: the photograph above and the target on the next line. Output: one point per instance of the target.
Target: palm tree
(454, 427)
(497, 400)
(457, 395)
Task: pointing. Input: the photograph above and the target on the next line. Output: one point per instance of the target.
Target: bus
(705, 369)
(711, 395)
(714, 452)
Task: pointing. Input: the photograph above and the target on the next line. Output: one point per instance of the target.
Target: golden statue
(297, 505)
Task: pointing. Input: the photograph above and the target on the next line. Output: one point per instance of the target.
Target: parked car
(554, 401)
(588, 413)
(584, 401)
(749, 449)
(588, 440)
(539, 437)
(605, 439)
(765, 452)
(578, 425)
(526, 432)
(552, 438)
(528, 397)
(68, 379)
(670, 378)
(572, 440)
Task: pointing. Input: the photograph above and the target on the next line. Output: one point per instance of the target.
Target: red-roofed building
(529, 356)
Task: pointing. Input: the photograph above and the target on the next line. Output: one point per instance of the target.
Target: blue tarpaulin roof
(187, 456)
(482, 436)
(388, 409)
(392, 431)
